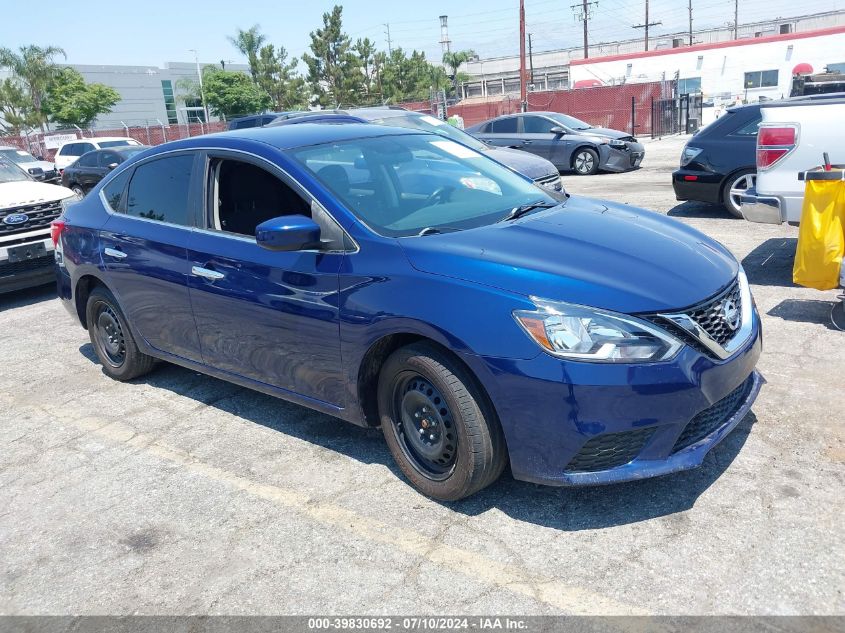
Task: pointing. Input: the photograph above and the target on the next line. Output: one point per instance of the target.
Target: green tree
(16, 113)
(403, 78)
(33, 67)
(231, 94)
(454, 61)
(249, 43)
(70, 101)
(334, 70)
(276, 75)
(366, 51)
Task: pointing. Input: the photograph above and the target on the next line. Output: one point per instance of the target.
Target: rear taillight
(57, 227)
(774, 144)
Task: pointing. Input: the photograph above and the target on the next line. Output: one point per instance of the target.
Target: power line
(583, 13)
(646, 24)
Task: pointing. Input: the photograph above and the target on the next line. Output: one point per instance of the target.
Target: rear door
(504, 132)
(144, 250)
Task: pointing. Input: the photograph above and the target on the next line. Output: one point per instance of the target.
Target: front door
(267, 315)
(144, 251)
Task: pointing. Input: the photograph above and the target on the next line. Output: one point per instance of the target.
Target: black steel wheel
(439, 425)
(112, 339)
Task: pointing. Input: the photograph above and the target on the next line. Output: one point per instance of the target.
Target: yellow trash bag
(821, 236)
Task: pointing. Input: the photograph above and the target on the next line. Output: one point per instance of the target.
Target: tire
(734, 187)
(421, 387)
(78, 190)
(585, 161)
(111, 338)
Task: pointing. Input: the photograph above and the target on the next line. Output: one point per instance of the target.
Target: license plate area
(26, 252)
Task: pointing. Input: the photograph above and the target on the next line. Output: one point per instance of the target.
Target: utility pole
(646, 25)
(202, 89)
(523, 88)
(530, 59)
(736, 19)
(583, 12)
(690, 22)
(387, 33)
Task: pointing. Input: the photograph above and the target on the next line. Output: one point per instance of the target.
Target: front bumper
(762, 209)
(563, 421)
(619, 160)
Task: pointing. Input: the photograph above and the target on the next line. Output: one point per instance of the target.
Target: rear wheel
(112, 339)
(734, 189)
(585, 162)
(438, 426)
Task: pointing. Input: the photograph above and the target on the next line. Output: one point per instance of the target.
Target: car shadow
(806, 311)
(28, 296)
(770, 263)
(565, 509)
(694, 209)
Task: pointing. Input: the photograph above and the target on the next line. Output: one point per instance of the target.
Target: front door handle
(113, 252)
(527, 142)
(213, 275)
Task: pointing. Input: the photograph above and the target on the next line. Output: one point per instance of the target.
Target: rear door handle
(213, 275)
(113, 252)
(527, 142)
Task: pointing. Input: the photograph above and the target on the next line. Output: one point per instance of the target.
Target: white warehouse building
(743, 70)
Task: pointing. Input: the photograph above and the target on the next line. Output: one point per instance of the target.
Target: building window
(194, 111)
(169, 101)
(761, 79)
(689, 85)
(785, 29)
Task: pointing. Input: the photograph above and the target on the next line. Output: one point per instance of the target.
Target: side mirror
(111, 166)
(36, 172)
(558, 130)
(288, 233)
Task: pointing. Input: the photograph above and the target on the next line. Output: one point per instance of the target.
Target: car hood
(588, 252)
(603, 131)
(22, 192)
(526, 164)
(43, 164)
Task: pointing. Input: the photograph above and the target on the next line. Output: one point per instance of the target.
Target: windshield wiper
(434, 230)
(518, 212)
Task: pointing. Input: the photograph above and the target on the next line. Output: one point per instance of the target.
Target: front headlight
(581, 333)
(616, 144)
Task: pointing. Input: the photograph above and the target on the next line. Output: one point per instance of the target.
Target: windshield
(431, 124)
(104, 144)
(569, 121)
(9, 172)
(18, 156)
(417, 184)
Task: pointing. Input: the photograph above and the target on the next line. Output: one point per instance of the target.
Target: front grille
(39, 217)
(714, 416)
(551, 181)
(609, 451)
(8, 269)
(711, 315)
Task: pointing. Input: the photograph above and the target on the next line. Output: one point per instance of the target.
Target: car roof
(99, 139)
(14, 148)
(304, 134)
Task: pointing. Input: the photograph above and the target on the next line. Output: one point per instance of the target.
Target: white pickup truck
(793, 137)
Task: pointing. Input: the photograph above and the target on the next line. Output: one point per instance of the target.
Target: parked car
(254, 120)
(540, 170)
(793, 137)
(27, 208)
(399, 279)
(41, 170)
(72, 150)
(567, 142)
(90, 168)
(718, 164)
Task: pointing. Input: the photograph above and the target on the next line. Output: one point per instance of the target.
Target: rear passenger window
(113, 191)
(504, 126)
(750, 128)
(159, 190)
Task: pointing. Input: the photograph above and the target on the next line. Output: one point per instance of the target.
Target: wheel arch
(82, 290)
(733, 174)
(578, 148)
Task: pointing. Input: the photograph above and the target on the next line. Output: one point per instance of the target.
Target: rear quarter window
(113, 191)
(159, 190)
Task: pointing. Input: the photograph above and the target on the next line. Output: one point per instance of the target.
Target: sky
(95, 32)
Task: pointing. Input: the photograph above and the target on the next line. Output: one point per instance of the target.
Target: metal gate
(679, 115)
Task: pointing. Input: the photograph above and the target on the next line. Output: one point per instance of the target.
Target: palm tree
(34, 67)
(454, 61)
(249, 42)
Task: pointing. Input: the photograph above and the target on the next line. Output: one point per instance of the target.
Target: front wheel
(735, 188)
(111, 338)
(586, 162)
(438, 426)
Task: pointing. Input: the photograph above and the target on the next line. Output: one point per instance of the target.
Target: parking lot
(182, 494)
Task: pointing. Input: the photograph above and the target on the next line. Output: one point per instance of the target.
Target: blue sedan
(399, 279)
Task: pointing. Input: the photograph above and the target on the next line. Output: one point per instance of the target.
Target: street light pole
(199, 76)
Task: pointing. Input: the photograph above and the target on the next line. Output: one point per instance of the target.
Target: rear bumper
(697, 185)
(761, 209)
